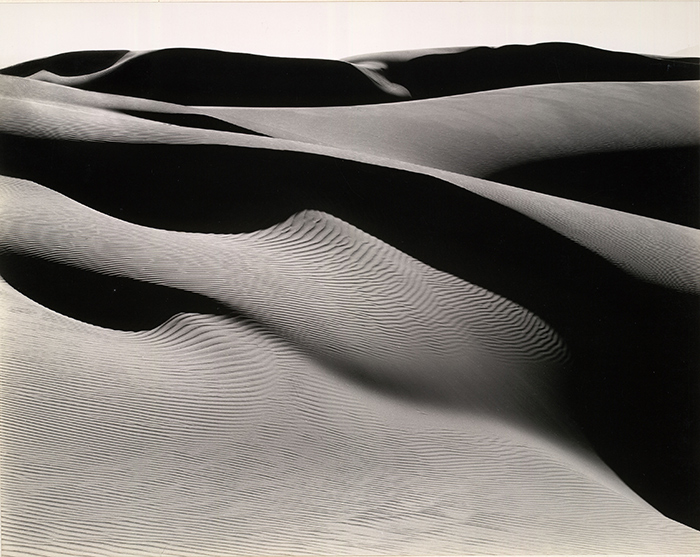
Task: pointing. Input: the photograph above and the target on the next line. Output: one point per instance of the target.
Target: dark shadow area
(201, 121)
(209, 77)
(69, 63)
(634, 385)
(103, 300)
(659, 183)
(486, 68)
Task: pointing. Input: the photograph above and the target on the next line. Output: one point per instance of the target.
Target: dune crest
(69, 63)
(464, 133)
(325, 286)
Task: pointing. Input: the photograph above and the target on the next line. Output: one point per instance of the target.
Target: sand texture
(438, 302)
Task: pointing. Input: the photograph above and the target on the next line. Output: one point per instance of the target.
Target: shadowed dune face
(209, 77)
(404, 325)
(335, 337)
(657, 183)
(249, 421)
(610, 320)
(104, 300)
(485, 68)
(69, 63)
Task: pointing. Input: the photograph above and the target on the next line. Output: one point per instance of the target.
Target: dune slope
(248, 453)
(545, 122)
(211, 384)
(614, 319)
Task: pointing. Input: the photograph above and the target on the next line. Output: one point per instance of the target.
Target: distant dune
(209, 77)
(69, 63)
(242, 314)
(439, 73)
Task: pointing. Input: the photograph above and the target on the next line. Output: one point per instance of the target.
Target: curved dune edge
(230, 417)
(323, 285)
(77, 80)
(658, 252)
(374, 73)
(213, 77)
(481, 133)
(665, 254)
(73, 63)
(431, 73)
(462, 134)
(404, 55)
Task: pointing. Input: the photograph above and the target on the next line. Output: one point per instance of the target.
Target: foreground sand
(324, 332)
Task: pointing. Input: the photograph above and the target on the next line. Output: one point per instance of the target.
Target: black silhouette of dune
(438, 74)
(215, 78)
(69, 63)
(461, 325)
(210, 77)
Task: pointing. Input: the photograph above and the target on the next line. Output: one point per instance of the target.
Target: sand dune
(465, 133)
(441, 72)
(69, 63)
(369, 310)
(460, 134)
(670, 255)
(460, 325)
(210, 77)
(215, 384)
(223, 440)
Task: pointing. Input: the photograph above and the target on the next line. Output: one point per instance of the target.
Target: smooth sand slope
(481, 133)
(614, 319)
(231, 331)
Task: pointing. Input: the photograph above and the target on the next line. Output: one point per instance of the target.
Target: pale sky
(339, 29)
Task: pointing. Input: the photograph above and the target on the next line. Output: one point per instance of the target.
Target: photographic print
(363, 278)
